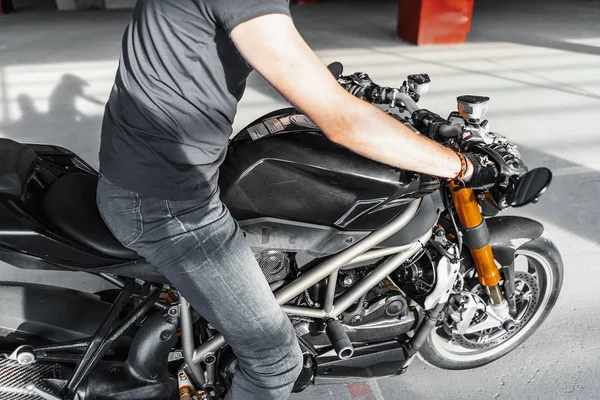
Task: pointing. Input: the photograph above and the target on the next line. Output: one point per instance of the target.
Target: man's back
(169, 116)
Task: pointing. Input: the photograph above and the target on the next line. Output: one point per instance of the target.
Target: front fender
(508, 233)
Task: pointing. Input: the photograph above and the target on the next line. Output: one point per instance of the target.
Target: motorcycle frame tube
(352, 295)
(467, 208)
(377, 275)
(187, 341)
(372, 255)
(330, 267)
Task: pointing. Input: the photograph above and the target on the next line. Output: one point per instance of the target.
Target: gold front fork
(470, 217)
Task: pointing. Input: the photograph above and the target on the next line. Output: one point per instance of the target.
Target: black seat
(70, 206)
(17, 162)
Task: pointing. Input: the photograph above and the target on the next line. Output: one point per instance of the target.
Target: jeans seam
(122, 212)
(200, 245)
(177, 219)
(203, 250)
(140, 220)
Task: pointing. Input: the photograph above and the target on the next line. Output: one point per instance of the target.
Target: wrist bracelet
(463, 166)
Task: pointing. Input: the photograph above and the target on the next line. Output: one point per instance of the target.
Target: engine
(383, 313)
(276, 266)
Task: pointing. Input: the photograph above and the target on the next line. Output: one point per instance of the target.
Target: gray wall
(67, 5)
(34, 4)
(115, 4)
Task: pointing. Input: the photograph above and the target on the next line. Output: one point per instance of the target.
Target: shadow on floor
(571, 201)
(63, 124)
(554, 24)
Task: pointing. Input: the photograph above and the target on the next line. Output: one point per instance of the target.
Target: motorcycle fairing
(295, 173)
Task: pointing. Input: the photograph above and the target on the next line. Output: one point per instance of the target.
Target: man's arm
(273, 46)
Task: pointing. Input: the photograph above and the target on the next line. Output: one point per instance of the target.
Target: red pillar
(6, 6)
(434, 21)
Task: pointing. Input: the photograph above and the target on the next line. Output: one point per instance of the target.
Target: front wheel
(538, 280)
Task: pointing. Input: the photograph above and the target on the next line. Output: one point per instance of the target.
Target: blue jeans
(201, 250)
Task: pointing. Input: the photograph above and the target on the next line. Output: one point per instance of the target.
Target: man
(183, 69)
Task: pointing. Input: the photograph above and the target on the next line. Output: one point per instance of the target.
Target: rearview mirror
(529, 187)
(336, 69)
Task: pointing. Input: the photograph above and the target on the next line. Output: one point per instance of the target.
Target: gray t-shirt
(169, 116)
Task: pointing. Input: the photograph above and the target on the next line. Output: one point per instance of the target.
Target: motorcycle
(374, 265)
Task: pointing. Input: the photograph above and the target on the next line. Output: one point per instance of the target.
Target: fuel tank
(282, 167)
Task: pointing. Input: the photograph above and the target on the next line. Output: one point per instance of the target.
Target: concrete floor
(537, 60)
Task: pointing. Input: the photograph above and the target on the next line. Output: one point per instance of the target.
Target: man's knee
(295, 360)
(282, 369)
(277, 360)
(298, 360)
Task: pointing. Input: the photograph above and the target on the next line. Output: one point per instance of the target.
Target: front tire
(544, 263)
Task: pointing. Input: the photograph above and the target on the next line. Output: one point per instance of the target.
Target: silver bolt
(356, 319)
(25, 358)
(509, 325)
(173, 311)
(308, 362)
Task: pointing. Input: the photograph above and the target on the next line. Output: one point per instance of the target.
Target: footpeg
(339, 339)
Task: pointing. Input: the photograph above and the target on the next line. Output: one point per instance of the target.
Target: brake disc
(527, 301)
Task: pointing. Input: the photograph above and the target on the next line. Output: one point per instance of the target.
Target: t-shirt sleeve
(231, 13)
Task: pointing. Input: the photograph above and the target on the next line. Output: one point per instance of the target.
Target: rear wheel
(538, 280)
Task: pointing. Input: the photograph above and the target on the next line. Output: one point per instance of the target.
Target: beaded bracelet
(463, 166)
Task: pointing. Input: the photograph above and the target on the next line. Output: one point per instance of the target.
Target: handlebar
(450, 130)
(434, 126)
(425, 121)
(391, 96)
(513, 187)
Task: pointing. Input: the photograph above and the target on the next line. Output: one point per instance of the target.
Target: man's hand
(273, 46)
(482, 172)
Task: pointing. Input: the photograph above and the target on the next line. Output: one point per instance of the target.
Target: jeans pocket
(117, 199)
(121, 211)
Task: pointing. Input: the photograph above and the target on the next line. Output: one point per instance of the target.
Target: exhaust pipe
(339, 339)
